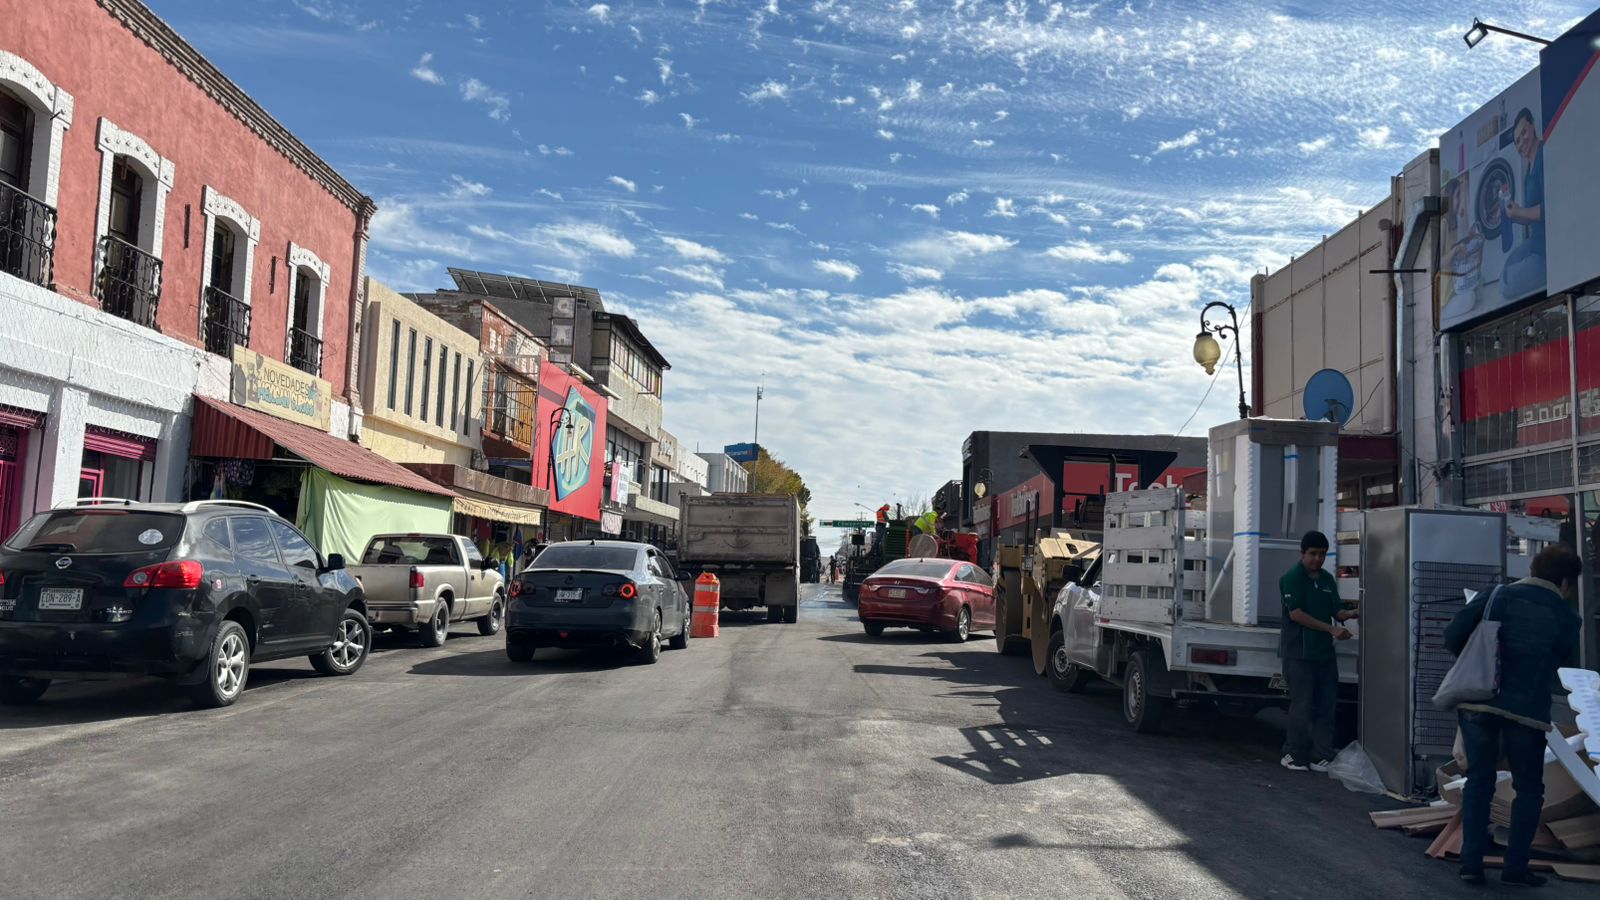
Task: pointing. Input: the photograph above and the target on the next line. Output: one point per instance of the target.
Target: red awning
(232, 432)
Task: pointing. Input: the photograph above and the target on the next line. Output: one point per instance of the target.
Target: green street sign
(846, 523)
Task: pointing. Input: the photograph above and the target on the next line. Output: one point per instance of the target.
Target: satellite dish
(1328, 397)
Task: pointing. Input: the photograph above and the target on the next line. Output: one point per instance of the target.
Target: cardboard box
(1563, 798)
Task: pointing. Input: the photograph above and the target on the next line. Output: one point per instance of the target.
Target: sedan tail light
(183, 574)
(627, 590)
(516, 588)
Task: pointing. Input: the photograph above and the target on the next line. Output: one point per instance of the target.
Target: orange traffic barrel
(707, 606)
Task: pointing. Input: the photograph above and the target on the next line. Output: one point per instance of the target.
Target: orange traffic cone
(707, 606)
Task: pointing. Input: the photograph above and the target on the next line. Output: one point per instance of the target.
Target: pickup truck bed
(427, 582)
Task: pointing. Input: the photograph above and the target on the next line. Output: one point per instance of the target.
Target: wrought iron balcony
(27, 236)
(130, 281)
(227, 322)
(305, 351)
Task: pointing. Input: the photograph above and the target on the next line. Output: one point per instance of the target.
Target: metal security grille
(1436, 596)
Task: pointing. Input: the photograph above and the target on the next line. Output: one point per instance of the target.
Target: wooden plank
(1579, 833)
(1155, 538)
(1139, 574)
(1449, 840)
(1394, 818)
(1142, 501)
(1426, 829)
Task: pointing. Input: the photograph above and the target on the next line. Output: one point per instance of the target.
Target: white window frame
(157, 171)
(216, 206)
(49, 103)
(298, 258)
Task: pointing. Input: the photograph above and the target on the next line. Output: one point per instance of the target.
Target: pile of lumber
(1566, 838)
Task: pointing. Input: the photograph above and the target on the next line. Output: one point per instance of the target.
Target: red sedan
(947, 595)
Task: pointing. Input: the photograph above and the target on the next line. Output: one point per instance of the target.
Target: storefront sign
(611, 523)
(1570, 83)
(1493, 174)
(277, 389)
(569, 454)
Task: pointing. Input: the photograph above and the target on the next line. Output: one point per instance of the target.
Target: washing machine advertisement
(1571, 81)
(1492, 175)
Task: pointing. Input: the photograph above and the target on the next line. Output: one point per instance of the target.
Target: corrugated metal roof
(233, 432)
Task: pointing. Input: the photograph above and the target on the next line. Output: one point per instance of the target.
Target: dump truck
(751, 542)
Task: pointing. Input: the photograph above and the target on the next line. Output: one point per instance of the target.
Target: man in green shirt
(1312, 617)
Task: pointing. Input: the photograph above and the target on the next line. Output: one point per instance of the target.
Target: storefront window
(1588, 331)
(104, 475)
(1516, 382)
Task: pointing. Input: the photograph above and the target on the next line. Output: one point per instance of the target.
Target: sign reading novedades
(280, 390)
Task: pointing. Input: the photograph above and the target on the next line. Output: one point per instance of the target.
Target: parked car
(195, 592)
(948, 595)
(425, 582)
(598, 594)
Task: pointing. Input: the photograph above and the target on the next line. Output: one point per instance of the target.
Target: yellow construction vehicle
(1026, 582)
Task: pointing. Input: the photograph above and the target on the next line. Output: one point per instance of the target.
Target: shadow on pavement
(494, 663)
(86, 702)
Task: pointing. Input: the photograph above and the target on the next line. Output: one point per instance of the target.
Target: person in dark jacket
(1538, 632)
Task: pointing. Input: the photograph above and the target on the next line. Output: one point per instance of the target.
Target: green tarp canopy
(340, 516)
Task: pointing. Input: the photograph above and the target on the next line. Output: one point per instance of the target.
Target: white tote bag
(1476, 673)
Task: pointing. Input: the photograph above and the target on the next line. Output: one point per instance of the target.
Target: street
(773, 761)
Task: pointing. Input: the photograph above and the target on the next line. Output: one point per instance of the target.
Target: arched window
(134, 183)
(308, 285)
(34, 115)
(231, 236)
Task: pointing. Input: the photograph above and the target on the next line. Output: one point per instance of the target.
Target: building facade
(160, 229)
(724, 475)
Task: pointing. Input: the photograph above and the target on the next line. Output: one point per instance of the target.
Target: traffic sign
(846, 523)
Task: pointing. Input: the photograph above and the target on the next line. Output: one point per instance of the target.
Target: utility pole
(759, 392)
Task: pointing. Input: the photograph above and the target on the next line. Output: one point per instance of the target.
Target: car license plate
(574, 595)
(897, 593)
(61, 598)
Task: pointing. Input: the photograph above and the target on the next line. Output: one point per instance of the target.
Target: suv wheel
(227, 668)
(651, 651)
(349, 648)
(17, 690)
(438, 628)
(490, 624)
(519, 651)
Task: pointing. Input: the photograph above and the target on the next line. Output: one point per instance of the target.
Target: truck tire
(1066, 676)
(433, 632)
(1141, 708)
(774, 614)
(1008, 637)
(489, 625)
(791, 615)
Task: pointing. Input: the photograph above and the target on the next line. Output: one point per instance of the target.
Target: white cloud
(624, 183)
(947, 247)
(956, 199)
(547, 150)
(619, 79)
(1004, 207)
(601, 12)
(885, 135)
(698, 274)
(929, 208)
(1083, 251)
(424, 70)
(553, 195)
(915, 273)
(664, 69)
(844, 101)
(580, 238)
(849, 271)
(1135, 223)
(1316, 146)
(649, 98)
(688, 121)
(784, 226)
(693, 249)
(1376, 138)
(779, 193)
(475, 91)
(769, 90)
(982, 142)
(474, 22)
(1188, 140)
(462, 187)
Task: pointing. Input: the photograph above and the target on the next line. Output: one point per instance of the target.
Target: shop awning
(226, 431)
(496, 511)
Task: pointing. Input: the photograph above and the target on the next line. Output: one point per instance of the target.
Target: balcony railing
(227, 322)
(130, 281)
(27, 236)
(305, 351)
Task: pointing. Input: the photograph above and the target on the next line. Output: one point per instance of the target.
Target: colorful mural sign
(281, 390)
(569, 454)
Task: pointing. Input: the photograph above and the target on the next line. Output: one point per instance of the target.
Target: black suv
(192, 591)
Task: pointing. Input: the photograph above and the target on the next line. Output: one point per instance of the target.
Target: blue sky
(917, 218)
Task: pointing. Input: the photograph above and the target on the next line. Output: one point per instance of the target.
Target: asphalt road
(774, 761)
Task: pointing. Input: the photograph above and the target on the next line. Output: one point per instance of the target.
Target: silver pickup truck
(425, 582)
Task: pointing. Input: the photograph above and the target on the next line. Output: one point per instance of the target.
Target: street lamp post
(1207, 352)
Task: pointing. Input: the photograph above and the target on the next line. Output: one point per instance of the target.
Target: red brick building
(152, 217)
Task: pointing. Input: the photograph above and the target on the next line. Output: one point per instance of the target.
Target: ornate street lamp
(1207, 352)
(557, 416)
